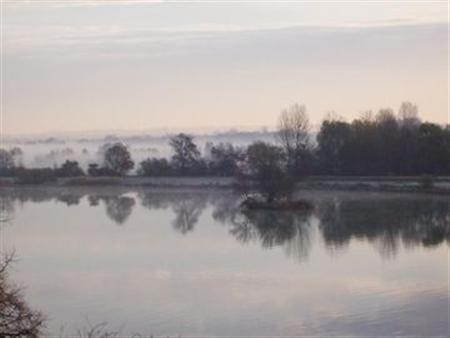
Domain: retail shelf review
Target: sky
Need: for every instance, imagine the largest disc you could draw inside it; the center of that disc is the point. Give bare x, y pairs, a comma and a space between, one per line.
92, 65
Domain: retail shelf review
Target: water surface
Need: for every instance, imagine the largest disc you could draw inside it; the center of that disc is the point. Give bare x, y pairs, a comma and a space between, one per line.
185, 262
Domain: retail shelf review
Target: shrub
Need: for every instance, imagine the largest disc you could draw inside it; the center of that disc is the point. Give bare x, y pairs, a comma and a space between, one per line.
155, 167
35, 176
224, 159
95, 170
69, 169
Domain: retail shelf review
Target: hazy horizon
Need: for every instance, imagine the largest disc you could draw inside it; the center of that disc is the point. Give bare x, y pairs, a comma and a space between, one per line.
102, 66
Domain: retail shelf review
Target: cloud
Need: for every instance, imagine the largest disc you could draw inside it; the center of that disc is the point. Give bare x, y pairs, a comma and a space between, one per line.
89, 79
77, 3
27, 37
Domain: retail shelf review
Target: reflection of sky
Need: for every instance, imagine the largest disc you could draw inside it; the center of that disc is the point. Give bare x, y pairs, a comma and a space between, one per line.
75, 262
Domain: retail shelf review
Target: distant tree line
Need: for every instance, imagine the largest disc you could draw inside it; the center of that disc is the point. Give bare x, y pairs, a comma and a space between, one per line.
115, 161
381, 144
385, 143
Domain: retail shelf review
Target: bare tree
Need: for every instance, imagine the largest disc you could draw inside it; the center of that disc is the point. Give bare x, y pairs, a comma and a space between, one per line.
366, 117
333, 116
408, 114
293, 127
16, 317
293, 134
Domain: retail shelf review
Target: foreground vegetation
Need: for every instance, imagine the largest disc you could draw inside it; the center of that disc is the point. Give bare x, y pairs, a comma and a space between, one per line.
17, 319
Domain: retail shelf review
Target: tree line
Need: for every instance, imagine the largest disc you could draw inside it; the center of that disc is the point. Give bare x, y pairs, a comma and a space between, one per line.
382, 143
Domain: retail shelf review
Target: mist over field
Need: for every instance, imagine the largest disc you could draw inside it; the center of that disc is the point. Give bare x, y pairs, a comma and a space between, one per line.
53, 150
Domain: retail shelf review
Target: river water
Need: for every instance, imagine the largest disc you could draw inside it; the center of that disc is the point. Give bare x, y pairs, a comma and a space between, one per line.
191, 263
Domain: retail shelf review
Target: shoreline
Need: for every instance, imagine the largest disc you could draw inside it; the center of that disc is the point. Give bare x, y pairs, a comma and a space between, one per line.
394, 184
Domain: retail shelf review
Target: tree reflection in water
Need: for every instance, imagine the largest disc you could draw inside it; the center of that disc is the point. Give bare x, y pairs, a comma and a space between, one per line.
289, 229
186, 206
6, 209
155, 200
118, 208
386, 221
187, 213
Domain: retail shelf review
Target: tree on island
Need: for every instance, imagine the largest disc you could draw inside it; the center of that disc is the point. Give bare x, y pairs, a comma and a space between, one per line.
267, 168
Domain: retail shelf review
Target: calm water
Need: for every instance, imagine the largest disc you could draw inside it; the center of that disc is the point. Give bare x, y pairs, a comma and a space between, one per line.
190, 263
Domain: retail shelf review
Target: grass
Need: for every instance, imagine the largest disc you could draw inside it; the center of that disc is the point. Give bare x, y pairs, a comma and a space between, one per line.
93, 181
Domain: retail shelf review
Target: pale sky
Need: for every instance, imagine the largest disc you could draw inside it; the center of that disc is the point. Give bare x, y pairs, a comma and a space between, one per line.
115, 64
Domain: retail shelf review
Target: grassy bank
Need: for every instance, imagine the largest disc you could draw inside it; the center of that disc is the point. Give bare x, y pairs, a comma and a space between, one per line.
440, 185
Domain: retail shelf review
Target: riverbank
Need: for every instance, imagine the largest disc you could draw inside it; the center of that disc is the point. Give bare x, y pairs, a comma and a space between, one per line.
412, 184
408, 184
